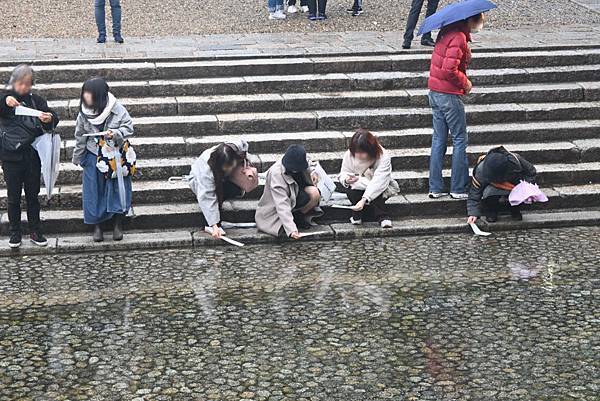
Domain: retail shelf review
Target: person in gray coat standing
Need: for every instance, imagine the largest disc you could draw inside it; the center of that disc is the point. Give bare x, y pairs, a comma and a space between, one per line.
290, 196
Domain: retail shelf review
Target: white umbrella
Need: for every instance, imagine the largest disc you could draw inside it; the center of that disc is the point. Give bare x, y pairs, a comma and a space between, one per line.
120, 179
48, 147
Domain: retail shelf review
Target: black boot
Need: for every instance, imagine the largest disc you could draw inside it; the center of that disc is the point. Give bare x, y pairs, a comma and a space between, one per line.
98, 234
427, 42
301, 222
491, 216
117, 229
406, 45
515, 213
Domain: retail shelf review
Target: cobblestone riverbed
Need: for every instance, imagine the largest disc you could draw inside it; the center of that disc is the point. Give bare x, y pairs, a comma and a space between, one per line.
513, 317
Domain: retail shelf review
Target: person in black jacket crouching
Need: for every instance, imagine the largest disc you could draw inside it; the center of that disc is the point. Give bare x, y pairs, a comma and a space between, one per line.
494, 176
21, 166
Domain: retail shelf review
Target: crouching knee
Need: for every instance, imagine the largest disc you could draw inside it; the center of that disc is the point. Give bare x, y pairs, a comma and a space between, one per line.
314, 195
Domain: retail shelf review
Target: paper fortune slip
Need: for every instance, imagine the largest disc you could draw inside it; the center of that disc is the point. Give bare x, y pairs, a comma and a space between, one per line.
477, 230
342, 207
302, 235
224, 238
96, 134
26, 111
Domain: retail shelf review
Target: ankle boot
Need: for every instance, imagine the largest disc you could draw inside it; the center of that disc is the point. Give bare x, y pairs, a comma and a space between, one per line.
98, 234
117, 230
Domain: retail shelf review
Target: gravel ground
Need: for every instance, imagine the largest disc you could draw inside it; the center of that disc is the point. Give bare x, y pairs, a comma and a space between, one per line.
74, 18
437, 318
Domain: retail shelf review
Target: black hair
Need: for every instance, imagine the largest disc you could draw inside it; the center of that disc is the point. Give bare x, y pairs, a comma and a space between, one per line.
224, 155
476, 17
99, 90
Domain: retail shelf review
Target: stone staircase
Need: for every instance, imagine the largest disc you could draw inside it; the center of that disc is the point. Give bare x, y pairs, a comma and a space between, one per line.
544, 104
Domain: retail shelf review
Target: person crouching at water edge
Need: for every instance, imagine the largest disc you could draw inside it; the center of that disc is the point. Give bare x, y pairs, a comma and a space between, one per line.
221, 173
20, 161
494, 176
290, 199
367, 176
102, 124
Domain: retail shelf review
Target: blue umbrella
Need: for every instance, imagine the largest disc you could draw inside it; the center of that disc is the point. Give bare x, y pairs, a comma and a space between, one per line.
455, 12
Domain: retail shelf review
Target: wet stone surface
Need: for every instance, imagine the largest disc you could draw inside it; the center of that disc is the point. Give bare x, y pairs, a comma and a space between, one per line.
514, 317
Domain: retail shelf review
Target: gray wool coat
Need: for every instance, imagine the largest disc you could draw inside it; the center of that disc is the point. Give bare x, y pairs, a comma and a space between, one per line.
119, 122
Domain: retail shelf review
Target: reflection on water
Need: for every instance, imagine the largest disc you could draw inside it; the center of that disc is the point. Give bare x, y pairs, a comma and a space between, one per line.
424, 318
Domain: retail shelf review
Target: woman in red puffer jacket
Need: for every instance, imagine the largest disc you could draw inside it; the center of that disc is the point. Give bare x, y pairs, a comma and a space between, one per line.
447, 83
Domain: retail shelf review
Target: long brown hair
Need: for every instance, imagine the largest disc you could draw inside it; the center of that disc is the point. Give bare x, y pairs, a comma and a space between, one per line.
224, 155
364, 141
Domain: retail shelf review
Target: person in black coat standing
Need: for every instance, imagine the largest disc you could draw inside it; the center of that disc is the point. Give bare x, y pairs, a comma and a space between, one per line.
21, 166
413, 18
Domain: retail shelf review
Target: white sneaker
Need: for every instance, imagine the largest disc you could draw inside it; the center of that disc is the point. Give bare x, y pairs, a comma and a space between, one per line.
292, 10
277, 15
459, 196
436, 195
355, 222
304, 9
386, 224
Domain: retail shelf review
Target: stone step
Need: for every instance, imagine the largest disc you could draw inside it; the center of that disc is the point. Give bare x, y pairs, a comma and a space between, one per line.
160, 191
184, 69
329, 141
330, 82
272, 102
402, 159
347, 119
168, 216
193, 238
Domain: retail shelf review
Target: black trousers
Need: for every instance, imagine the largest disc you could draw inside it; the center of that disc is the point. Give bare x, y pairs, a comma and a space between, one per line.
293, 3
376, 208
413, 17
314, 8
19, 175
492, 205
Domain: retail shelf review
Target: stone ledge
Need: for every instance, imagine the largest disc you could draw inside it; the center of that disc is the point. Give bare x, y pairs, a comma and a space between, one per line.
194, 239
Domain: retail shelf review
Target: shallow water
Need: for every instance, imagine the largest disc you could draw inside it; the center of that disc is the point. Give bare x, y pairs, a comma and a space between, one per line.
423, 318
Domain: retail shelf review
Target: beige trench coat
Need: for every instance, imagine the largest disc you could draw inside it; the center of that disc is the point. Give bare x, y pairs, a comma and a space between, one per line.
277, 202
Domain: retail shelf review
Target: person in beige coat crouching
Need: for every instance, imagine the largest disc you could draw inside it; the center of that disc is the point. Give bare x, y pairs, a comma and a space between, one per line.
290, 197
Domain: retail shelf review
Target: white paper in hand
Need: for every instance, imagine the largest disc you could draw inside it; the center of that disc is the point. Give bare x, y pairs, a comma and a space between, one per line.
26, 111
224, 238
477, 230
302, 235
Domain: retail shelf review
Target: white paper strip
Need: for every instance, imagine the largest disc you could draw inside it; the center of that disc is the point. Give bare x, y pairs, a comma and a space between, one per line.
302, 235
224, 238
26, 111
477, 230
96, 134
342, 207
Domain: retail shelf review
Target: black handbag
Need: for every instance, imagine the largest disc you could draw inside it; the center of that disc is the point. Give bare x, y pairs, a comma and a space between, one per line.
13, 137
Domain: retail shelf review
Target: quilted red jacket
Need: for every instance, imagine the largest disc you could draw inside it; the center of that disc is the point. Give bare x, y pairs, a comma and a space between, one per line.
450, 59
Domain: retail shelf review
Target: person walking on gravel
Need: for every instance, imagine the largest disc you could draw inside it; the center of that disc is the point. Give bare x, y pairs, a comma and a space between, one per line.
448, 82
115, 12
413, 18
276, 9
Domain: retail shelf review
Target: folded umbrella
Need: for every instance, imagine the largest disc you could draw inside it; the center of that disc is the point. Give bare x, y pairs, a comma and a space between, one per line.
455, 12
527, 193
120, 180
48, 148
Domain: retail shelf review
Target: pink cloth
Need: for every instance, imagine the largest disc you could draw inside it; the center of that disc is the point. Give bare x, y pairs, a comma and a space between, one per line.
527, 193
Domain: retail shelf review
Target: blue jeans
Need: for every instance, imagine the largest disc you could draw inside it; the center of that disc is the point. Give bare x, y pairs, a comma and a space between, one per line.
115, 12
448, 116
275, 5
